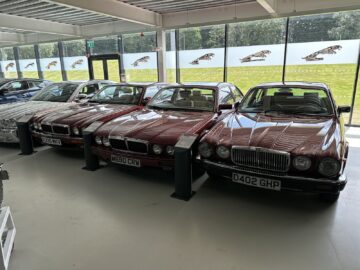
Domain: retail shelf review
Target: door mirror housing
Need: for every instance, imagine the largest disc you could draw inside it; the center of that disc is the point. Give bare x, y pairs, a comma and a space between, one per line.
236, 105
81, 97
225, 107
146, 101
344, 109
4, 91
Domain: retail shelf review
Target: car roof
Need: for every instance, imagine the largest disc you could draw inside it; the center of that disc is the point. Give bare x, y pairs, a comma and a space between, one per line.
293, 84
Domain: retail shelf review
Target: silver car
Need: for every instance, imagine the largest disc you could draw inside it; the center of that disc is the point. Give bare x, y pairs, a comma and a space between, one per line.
53, 96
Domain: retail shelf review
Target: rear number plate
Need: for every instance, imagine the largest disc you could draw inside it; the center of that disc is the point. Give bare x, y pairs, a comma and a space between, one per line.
51, 141
256, 181
126, 161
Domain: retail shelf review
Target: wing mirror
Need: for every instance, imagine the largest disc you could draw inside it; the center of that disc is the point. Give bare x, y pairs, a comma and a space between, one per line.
225, 107
146, 100
344, 109
81, 97
236, 105
4, 91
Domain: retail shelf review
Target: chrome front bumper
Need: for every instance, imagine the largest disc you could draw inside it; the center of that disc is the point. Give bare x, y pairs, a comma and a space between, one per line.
291, 183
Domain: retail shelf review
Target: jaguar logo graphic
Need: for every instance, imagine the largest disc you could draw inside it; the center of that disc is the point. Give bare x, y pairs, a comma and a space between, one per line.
258, 56
206, 57
29, 65
144, 59
328, 50
77, 63
10, 65
51, 64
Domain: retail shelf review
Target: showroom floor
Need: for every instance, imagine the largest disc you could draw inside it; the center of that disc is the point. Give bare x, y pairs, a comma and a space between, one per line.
68, 218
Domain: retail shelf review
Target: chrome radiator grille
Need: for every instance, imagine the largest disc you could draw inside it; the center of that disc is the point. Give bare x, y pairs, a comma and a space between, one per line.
132, 145
261, 158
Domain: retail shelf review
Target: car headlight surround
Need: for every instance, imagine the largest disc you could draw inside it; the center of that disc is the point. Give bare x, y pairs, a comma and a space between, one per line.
302, 163
329, 167
106, 141
76, 131
157, 149
205, 150
223, 152
170, 150
98, 140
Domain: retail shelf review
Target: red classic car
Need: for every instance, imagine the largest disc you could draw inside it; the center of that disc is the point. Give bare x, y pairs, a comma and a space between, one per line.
64, 127
283, 136
147, 137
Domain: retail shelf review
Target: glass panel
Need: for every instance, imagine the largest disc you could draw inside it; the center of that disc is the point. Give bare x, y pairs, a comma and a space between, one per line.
140, 57
50, 61
75, 60
98, 69
256, 52
105, 45
324, 48
170, 56
27, 62
356, 109
202, 53
113, 70
8, 65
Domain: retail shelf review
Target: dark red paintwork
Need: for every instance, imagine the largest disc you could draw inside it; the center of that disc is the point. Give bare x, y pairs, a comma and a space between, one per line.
300, 135
158, 127
81, 116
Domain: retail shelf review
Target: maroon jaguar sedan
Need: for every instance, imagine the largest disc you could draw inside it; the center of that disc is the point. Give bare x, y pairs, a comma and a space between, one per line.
147, 137
63, 127
283, 136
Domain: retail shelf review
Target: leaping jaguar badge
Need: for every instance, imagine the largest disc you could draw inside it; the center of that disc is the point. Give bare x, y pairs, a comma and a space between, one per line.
77, 63
51, 64
206, 57
328, 50
29, 65
10, 65
144, 59
258, 56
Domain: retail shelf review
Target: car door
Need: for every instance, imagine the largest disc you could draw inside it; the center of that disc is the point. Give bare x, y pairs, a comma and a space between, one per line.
16, 90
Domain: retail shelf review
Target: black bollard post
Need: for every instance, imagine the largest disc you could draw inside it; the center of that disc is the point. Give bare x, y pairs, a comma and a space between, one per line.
24, 134
91, 161
183, 168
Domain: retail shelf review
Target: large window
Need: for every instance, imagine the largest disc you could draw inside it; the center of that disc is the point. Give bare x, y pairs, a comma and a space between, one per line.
50, 61
201, 53
75, 60
27, 62
140, 57
324, 48
170, 56
105, 45
256, 52
8, 64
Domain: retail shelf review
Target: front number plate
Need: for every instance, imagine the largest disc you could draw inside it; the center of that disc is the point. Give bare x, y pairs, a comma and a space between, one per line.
126, 161
51, 141
256, 181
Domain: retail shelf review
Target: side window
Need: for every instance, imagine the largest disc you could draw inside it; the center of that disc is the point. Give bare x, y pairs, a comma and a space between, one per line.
236, 93
90, 89
150, 92
19, 85
225, 96
39, 84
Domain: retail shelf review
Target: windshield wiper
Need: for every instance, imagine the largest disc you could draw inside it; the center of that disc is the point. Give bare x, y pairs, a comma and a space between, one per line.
157, 107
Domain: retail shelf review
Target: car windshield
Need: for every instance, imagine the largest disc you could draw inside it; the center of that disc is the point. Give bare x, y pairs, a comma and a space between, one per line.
290, 100
120, 94
3, 82
56, 92
183, 98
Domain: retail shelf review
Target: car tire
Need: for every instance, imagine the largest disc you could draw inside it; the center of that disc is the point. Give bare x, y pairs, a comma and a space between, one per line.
329, 197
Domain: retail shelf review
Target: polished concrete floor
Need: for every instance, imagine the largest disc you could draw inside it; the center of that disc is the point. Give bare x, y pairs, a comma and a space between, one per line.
68, 218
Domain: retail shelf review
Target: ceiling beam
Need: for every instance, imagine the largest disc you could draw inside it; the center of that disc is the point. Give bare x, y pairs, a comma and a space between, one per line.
268, 5
40, 26
116, 9
11, 38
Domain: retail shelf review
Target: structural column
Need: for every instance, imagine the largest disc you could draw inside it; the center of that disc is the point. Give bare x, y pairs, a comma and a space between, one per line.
161, 54
16, 56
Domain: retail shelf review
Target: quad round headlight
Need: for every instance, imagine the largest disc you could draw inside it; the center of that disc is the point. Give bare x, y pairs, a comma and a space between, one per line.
302, 163
76, 131
98, 140
205, 150
170, 150
329, 167
106, 141
223, 152
157, 149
